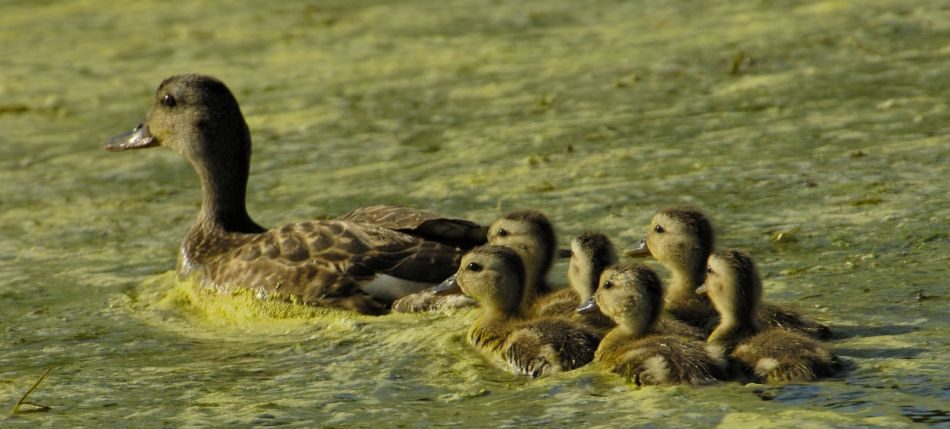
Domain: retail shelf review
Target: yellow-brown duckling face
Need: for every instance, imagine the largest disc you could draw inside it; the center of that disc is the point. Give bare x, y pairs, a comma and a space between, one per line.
678, 236
527, 231
733, 284
631, 294
493, 276
591, 253
195, 115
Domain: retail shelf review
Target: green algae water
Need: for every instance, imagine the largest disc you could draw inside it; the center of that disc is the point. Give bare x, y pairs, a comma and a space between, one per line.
815, 133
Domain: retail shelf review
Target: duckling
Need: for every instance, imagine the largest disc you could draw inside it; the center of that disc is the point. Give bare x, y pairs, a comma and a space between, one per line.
631, 294
531, 235
590, 254
772, 355
496, 277
322, 262
527, 232
682, 239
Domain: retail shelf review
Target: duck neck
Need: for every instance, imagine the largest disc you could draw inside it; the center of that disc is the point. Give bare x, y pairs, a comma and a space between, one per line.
637, 324
537, 264
223, 216
731, 330
685, 279
224, 187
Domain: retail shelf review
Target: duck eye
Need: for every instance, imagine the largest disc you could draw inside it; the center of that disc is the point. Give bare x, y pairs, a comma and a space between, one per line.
709, 269
473, 267
608, 284
659, 229
168, 100
502, 232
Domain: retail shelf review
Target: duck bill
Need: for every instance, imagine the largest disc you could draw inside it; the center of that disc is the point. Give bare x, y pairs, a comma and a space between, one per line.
640, 250
588, 306
448, 287
701, 290
138, 138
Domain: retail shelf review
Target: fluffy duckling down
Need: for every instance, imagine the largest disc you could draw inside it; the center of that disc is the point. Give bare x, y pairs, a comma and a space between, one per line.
682, 239
495, 277
768, 354
527, 232
591, 253
631, 294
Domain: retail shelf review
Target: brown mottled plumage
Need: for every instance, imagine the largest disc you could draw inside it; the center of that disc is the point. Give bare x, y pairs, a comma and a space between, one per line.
316, 262
639, 349
591, 253
431, 226
495, 277
682, 240
772, 355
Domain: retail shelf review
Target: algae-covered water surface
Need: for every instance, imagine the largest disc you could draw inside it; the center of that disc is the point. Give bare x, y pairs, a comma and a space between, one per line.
815, 133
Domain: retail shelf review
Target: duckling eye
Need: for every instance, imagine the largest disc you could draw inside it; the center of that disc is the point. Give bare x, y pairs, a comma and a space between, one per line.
709, 269
659, 229
168, 100
473, 267
608, 284
502, 232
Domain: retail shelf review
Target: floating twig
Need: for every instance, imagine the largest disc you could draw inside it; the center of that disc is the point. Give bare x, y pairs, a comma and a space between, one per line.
22, 401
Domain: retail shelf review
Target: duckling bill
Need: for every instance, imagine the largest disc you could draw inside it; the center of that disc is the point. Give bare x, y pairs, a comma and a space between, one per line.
319, 262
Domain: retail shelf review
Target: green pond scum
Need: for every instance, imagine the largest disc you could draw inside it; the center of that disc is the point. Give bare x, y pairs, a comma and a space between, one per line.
815, 133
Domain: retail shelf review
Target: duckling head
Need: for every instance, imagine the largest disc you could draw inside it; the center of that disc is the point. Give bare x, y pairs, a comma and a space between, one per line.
632, 295
591, 253
531, 234
680, 238
494, 276
733, 286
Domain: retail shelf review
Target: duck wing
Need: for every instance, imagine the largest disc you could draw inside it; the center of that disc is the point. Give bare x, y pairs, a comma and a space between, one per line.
421, 223
326, 262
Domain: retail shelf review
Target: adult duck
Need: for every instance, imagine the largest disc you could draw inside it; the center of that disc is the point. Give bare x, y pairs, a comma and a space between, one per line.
357, 266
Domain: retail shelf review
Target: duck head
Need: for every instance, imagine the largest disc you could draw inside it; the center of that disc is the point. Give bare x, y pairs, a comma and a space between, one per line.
591, 253
494, 276
195, 115
631, 294
734, 287
198, 117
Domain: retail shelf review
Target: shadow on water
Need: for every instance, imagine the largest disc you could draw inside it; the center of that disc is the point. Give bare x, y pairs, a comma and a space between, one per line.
934, 418
880, 352
850, 401
842, 332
